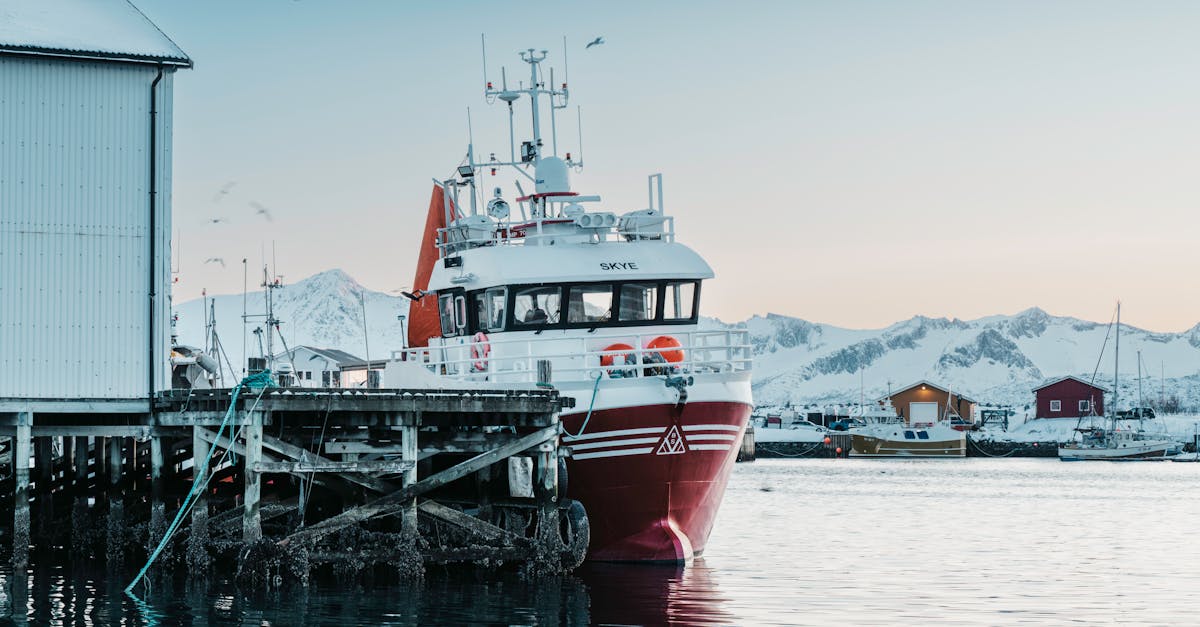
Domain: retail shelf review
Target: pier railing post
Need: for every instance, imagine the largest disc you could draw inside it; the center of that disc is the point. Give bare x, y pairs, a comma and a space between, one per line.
22, 446
198, 540
251, 515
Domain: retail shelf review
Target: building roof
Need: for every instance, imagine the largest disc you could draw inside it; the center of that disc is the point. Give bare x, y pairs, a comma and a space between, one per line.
341, 358
1070, 376
960, 395
91, 29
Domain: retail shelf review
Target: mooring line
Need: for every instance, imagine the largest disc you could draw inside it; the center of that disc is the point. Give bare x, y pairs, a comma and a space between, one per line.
591, 406
261, 379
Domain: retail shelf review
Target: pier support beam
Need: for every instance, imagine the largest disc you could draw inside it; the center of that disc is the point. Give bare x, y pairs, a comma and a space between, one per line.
116, 505
409, 453
252, 516
158, 507
197, 556
22, 445
43, 456
80, 542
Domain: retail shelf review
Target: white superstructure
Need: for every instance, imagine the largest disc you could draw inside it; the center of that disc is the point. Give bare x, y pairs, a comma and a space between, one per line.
85, 200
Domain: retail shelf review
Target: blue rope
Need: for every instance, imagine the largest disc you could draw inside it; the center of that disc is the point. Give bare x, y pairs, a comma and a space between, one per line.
256, 381
592, 405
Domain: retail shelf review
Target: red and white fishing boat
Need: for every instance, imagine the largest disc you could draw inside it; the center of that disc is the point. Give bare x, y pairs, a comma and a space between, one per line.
612, 300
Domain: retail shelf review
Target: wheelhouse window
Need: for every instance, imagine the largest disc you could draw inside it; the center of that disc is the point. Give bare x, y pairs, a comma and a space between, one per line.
639, 301
589, 303
489, 309
446, 315
679, 302
537, 306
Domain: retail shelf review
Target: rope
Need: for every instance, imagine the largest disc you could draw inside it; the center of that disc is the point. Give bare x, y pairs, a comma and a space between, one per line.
260, 380
591, 406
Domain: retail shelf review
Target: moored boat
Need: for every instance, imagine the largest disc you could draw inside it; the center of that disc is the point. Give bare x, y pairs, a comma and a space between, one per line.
886, 434
611, 302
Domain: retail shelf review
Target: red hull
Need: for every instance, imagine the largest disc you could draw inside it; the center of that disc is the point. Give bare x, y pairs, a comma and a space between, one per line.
652, 477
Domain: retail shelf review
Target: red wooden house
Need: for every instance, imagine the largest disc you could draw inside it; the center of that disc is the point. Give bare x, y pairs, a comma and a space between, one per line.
1069, 397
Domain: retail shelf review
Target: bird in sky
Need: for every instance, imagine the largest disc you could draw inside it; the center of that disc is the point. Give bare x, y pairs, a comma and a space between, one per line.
262, 211
215, 260
595, 42
224, 191
216, 220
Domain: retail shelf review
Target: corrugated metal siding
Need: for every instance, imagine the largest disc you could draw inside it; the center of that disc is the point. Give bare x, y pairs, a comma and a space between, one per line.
74, 195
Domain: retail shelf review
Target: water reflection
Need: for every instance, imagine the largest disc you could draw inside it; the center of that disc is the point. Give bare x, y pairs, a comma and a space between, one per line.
622, 594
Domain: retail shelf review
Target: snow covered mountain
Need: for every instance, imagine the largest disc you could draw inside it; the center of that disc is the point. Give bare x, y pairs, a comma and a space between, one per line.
996, 359
323, 310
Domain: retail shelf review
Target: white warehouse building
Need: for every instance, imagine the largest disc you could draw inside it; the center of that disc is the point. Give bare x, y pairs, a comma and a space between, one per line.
85, 202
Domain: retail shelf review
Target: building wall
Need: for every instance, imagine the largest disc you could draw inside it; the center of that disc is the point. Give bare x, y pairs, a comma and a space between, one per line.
74, 228
1069, 392
929, 394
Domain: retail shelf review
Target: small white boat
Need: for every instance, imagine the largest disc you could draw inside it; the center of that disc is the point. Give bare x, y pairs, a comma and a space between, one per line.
885, 434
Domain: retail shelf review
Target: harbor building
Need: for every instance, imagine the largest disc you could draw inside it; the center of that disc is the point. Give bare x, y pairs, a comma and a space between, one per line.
1068, 397
926, 402
309, 366
85, 205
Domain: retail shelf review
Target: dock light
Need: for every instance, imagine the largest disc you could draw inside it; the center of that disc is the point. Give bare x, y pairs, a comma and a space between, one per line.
493, 171
489, 85
466, 171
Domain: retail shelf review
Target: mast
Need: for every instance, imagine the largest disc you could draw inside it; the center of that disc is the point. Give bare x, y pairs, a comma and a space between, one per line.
1116, 372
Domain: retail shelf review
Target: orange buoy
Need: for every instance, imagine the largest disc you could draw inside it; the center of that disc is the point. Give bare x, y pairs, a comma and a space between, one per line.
827, 440
839, 450
662, 342
607, 359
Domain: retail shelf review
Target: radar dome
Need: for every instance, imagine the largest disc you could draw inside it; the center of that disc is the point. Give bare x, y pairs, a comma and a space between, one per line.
552, 176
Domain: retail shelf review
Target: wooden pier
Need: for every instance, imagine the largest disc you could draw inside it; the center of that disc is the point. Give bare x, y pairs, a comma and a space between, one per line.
296, 480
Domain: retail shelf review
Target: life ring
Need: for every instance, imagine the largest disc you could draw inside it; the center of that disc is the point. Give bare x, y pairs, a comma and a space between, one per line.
480, 349
611, 353
667, 346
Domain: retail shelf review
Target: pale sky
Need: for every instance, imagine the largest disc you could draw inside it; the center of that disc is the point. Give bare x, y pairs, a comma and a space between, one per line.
854, 163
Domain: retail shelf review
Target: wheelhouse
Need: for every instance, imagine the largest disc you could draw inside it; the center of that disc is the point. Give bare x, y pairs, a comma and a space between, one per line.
574, 305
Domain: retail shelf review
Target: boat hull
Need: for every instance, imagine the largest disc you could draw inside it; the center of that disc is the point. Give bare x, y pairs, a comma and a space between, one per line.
1147, 450
890, 442
652, 476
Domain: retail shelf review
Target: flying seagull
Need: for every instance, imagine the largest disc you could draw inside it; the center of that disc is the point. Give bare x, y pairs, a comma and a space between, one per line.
216, 220
215, 260
262, 211
595, 42
224, 191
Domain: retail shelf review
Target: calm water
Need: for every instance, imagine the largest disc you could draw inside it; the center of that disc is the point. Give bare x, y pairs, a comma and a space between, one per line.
976, 542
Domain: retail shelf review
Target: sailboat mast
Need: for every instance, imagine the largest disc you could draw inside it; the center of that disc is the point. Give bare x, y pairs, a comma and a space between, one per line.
1116, 370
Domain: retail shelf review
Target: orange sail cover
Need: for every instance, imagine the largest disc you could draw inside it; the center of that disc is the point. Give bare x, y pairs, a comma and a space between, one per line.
423, 322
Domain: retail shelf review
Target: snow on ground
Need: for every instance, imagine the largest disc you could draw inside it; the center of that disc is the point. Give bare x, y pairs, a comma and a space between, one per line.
1179, 427
762, 434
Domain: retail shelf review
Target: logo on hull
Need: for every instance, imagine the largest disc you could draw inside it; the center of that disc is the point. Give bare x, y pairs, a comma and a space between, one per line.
672, 443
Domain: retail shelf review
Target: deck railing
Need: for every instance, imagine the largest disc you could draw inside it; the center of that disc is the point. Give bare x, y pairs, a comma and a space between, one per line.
579, 358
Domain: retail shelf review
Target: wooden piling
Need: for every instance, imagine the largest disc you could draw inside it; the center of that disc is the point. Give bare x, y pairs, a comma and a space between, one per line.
197, 556
251, 515
116, 531
22, 445
158, 506
409, 453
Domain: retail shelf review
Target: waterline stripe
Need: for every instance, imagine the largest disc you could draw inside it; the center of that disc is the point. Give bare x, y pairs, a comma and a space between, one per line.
618, 432
711, 436
620, 453
711, 428
709, 447
612, 443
